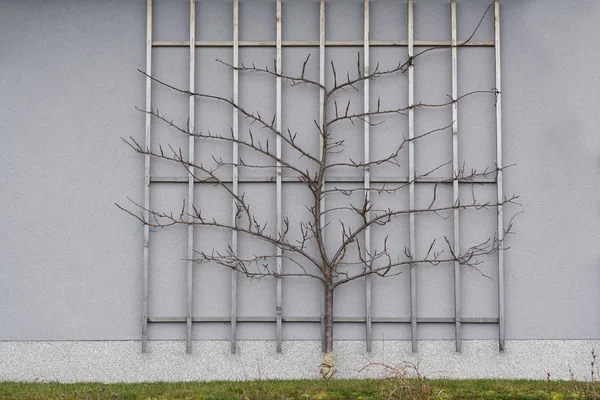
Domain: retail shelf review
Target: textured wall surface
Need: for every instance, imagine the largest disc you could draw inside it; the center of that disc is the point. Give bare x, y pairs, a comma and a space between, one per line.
71, 262
117, 361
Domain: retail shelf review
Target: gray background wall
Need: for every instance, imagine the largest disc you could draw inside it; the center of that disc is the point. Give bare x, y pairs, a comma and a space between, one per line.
71, 263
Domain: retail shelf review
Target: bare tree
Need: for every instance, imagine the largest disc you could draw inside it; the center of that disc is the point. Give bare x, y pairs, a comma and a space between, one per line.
306, 245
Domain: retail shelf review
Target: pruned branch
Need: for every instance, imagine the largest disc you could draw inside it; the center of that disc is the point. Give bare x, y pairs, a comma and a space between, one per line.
253, 117
295, 80
257, 230
385, 217
257, 266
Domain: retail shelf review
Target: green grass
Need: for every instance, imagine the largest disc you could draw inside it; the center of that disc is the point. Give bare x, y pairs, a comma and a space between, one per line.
301, 389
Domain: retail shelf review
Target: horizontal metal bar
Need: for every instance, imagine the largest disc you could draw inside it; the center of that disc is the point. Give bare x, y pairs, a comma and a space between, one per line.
331, 43
333, 179
376, 320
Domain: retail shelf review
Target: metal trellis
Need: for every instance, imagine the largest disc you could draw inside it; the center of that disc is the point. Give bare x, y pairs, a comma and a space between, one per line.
366, 180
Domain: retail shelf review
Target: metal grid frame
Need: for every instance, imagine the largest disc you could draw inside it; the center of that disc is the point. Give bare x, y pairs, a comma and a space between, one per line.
322, 44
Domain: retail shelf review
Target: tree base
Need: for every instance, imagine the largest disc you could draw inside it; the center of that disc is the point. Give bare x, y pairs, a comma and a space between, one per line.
328, 366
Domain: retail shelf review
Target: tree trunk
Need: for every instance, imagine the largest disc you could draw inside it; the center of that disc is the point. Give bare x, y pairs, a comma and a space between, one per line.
328, 365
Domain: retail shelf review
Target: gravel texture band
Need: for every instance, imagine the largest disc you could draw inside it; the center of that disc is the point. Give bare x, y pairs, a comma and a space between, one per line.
122, 361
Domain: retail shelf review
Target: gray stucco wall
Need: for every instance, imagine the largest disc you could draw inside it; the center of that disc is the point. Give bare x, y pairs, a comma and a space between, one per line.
70, 265
71, 262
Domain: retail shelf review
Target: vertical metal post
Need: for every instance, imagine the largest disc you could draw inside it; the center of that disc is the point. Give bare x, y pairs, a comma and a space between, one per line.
499, 164
235, 172
367, 178
278, 150
322, 82
191, 145
455, 172
322, 125
411, 178
147, 177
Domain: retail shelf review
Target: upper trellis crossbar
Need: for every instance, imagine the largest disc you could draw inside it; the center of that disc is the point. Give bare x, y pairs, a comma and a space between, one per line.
367, 180
328, 43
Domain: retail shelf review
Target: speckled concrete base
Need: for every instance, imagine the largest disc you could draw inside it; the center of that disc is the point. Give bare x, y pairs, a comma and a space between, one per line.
116, 361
